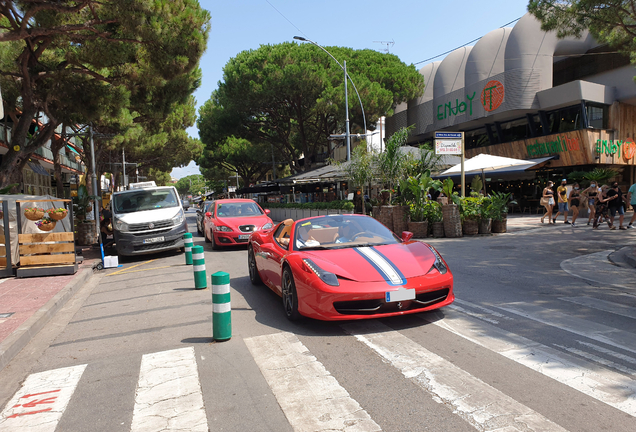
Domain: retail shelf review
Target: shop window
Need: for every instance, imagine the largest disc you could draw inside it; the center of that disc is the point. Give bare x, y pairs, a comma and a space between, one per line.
476, 138
515, 130
596, 115
564, 120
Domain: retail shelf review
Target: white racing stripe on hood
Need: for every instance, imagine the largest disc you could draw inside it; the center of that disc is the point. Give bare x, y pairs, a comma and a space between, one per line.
386, 268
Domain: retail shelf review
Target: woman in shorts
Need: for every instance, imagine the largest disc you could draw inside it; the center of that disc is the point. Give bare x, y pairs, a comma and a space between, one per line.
591, 193
548, 196
574, 201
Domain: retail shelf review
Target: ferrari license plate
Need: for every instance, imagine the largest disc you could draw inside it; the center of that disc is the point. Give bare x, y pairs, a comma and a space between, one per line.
400, 295
244, 236
153, 240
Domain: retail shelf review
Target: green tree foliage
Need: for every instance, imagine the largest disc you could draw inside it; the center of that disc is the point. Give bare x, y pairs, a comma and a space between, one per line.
611, 22
252, 161
191, 185
393, 161
292, 96
107, 62
360, 169
161, 178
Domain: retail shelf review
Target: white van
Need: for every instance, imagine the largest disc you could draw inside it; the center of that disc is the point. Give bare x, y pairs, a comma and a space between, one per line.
147, 219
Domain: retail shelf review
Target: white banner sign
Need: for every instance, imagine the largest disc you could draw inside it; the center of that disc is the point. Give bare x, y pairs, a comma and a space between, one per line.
448, 146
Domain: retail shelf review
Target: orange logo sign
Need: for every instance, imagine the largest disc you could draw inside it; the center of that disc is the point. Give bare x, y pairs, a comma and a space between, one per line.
629, 149
492, 95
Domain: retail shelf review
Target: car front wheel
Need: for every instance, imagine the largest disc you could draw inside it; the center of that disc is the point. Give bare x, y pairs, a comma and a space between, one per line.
255, 278
290, 298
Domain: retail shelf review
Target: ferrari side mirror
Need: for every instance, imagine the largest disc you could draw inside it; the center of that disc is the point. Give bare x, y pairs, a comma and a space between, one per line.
406, 236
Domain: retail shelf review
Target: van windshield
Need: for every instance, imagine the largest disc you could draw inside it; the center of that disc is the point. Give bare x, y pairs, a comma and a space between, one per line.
145, 199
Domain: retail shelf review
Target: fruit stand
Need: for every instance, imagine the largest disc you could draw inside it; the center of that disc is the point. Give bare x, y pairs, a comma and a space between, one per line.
48, 246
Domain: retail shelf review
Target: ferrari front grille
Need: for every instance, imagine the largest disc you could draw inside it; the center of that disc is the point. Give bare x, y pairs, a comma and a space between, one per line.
379, 306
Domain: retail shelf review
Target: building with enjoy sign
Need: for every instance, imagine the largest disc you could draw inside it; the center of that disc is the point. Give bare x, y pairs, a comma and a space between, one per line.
568, 104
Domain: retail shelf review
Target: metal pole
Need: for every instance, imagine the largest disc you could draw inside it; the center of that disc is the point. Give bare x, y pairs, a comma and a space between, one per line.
347, 111
463, 175
273, 164
94, 183
123, 164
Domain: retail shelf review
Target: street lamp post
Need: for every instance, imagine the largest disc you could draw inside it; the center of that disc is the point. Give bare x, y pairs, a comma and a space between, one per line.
346, 75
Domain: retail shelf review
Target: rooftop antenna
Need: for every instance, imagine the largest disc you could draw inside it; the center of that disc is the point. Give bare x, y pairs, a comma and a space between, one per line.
387, 43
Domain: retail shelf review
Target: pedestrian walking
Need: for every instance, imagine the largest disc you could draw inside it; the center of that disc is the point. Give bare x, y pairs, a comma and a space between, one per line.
631, 198
616, 206
547, 201
574, 200
591, 194
562, 193
601, 208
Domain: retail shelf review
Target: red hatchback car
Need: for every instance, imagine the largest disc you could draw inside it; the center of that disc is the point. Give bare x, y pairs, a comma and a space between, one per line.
231, 221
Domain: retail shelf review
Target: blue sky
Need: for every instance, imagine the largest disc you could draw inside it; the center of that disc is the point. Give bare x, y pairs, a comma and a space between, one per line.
420, 30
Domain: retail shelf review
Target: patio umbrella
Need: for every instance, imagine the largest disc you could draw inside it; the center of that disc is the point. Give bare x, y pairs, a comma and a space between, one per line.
485, 163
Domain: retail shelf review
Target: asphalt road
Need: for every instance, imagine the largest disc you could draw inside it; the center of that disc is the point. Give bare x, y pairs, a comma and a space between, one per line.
541, 338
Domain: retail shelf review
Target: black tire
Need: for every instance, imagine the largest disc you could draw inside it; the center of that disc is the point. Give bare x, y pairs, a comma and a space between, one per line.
255, 278
199, 230
207, 240
289, 295
214, 245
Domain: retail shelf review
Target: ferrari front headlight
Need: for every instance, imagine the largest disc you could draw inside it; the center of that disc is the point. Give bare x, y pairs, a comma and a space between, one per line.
325, 276
439, 263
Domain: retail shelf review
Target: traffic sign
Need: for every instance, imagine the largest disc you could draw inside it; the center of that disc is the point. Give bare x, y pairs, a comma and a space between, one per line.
443, 135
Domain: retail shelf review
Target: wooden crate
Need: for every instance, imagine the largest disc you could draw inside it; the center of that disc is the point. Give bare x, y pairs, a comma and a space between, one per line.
46, 254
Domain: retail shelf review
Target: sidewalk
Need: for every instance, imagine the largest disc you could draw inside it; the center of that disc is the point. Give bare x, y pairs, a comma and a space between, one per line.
31, 302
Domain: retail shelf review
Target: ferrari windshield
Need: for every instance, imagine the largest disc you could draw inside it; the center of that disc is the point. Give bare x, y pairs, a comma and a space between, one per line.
340, 231
238, 209
145, 199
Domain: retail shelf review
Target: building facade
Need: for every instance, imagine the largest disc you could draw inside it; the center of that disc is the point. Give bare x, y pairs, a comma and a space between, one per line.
521, 92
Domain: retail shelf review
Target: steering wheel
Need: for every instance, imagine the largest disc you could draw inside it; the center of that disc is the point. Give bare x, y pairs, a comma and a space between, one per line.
360, 234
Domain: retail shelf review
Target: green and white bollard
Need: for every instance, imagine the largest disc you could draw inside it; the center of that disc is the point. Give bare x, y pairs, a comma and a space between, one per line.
221, 308
187, 242
198, 261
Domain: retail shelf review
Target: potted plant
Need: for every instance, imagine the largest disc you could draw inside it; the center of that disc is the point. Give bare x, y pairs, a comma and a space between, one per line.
433, 214
34, 213
450, 211
485, 216
499, 203
470, 213
416, 195
46, 224
57, 214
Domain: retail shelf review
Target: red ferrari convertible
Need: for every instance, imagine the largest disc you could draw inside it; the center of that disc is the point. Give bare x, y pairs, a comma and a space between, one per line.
343, 267
231, 221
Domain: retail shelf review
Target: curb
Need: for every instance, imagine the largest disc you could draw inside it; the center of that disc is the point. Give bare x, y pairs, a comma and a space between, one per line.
17, 340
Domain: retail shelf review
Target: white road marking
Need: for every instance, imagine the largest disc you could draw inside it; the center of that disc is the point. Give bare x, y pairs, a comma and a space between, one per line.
597, 359
169, 395
481, 405
311, 398
589, 378
609, 352
598, 332
615, 308
40, 403
473, 314
485, 309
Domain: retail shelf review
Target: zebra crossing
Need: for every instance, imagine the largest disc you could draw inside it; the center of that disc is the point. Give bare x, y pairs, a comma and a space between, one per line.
597, 361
